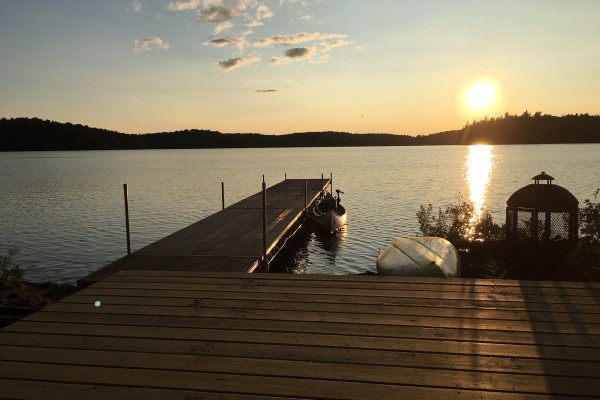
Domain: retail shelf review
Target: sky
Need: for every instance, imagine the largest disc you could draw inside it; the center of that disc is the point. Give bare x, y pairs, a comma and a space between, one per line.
285, 66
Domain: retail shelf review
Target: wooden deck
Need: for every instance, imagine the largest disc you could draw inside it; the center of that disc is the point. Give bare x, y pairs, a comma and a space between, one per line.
198, 335
229, 240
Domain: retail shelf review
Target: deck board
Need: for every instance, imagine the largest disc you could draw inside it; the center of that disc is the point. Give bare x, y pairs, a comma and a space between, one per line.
229, 240
195, 335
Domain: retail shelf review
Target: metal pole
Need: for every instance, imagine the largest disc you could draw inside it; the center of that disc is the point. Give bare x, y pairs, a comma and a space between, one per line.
223, 195
305, 195
322, 188
263, 179
331, 181
264, 243
125, 194
285, 176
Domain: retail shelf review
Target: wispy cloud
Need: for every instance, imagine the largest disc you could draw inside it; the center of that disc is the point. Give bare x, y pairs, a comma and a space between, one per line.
142, 45
307, 17
135, 6
216, 11
263, 12
296, 38
234, 63
184, 5
266, 91
226, 41
223, 26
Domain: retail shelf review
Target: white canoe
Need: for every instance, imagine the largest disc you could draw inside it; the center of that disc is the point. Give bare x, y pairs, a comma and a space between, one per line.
329, 220
419, 256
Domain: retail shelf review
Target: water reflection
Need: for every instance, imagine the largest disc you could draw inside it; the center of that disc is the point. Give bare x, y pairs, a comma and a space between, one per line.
479, 166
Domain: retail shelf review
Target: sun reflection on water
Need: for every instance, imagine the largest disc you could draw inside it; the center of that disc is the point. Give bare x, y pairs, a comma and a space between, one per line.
479, 167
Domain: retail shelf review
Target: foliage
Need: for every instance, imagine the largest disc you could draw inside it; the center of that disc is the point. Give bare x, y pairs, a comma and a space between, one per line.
9, 271
584, 261
459, 223
490, 268
589, 218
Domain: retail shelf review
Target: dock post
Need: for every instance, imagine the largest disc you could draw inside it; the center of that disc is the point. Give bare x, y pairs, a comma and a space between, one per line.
331, 182
285, 176
264, 241
322, 188
126, 196
305, 195
223, 195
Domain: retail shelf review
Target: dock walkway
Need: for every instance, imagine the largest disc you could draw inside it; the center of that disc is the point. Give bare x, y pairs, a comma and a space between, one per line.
229, 240
197, 335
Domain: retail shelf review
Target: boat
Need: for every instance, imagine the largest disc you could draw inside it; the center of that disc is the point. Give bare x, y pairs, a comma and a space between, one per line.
328, 214
424, 256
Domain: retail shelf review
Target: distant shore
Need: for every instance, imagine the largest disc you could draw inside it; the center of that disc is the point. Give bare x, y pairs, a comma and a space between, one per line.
34, 134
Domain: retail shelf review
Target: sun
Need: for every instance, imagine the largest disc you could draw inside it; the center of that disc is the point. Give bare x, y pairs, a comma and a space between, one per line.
480, 95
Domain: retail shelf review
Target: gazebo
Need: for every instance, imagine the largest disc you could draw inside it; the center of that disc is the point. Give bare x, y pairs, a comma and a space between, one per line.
542, 213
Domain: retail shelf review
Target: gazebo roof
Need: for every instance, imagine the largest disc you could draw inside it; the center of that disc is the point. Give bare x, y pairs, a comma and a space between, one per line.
544, 198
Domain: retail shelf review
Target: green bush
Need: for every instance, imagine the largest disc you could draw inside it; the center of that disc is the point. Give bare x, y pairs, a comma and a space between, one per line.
458, 223
589, 218
9, 271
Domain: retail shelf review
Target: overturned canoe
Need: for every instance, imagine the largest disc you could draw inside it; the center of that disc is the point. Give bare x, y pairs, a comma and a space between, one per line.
419, 256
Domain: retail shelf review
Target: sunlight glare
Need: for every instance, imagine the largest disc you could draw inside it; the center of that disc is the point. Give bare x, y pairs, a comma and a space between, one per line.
480, 95
479, 167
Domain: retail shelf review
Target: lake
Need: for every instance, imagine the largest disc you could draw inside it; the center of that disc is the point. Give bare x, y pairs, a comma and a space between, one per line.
64, 210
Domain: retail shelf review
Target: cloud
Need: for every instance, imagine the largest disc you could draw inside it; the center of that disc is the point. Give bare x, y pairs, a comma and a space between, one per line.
223, 26
226, 41
263, 12
266, 91
184, 5
136, 6
234, 63
307, 17
336, 43
253, 24
142, 45
215, 12
296, 38
295, 54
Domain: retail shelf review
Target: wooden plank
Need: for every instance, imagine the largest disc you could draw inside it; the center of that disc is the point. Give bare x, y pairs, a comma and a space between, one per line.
399, 310
244, 384
364, 331
299, 339
322, 371
302, 289
348, 299
294, 352
11, 389
368, 278
574, 327
381, 285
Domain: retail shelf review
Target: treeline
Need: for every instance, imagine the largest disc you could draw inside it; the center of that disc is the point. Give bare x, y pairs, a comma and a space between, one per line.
24, 134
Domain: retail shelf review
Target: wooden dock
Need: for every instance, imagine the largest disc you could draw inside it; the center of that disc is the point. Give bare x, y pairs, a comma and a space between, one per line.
196, 335
229, 240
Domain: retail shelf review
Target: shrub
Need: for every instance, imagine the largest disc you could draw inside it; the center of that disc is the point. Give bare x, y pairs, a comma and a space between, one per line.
589, 218
459, 223
9, 271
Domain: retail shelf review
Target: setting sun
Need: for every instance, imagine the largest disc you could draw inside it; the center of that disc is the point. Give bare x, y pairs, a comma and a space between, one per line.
480, 96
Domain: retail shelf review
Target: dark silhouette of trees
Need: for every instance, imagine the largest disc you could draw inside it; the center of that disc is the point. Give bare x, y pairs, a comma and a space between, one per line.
20, 134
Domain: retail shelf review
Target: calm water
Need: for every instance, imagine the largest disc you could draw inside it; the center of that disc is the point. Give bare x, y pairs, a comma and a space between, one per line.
64, 210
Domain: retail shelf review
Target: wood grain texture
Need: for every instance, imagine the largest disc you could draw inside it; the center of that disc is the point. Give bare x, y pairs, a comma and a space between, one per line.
205, 335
